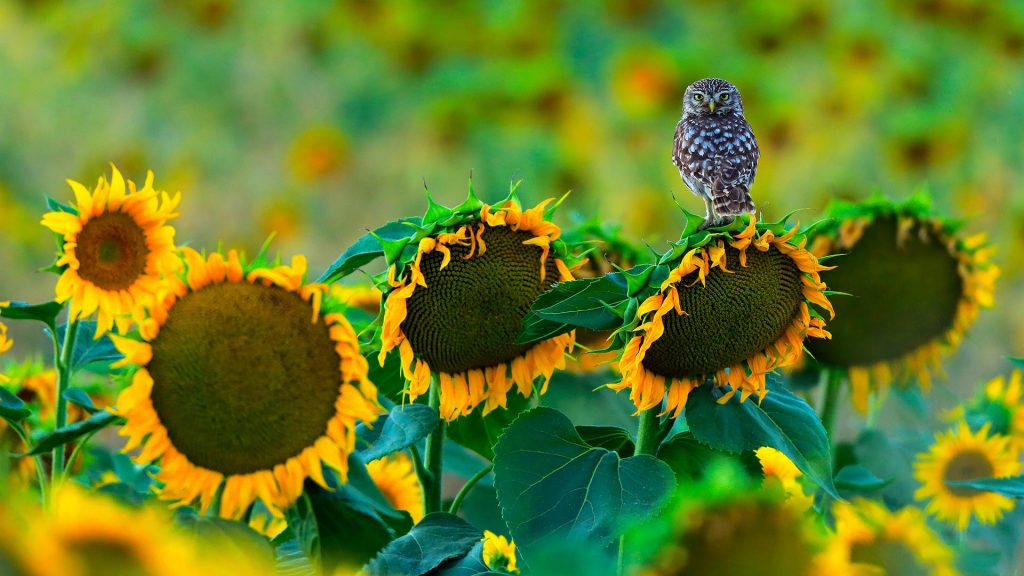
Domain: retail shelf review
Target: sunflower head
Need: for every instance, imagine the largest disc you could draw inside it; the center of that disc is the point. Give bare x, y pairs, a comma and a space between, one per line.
247, 380
869, 539
999, 405
116, 247
729, 304
908, 270
396, 479
458, 288
499, 554
962, 455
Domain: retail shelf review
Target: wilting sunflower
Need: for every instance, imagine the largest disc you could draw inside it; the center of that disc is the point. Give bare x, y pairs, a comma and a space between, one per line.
908, 271
780, 471
456, 300
733, 305
499, 554
726, 525
870, 540
1000, 406
960, 455
396, 479
247, 379
117, 246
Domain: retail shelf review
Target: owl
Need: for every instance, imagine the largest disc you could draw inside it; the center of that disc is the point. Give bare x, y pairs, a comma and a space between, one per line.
715, 150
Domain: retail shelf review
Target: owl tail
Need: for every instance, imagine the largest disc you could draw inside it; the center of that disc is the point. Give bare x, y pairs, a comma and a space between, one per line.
735, 200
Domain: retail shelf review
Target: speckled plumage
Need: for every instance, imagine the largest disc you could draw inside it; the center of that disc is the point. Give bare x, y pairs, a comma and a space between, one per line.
715, 149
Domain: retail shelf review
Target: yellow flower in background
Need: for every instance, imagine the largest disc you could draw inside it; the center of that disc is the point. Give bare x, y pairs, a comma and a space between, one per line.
457, 309
499, 554
1000, 405
360, 296
245, 381
396, 479
779, 470
317, 153
959, 455
117, 246
734, 309
909, 271
870, 540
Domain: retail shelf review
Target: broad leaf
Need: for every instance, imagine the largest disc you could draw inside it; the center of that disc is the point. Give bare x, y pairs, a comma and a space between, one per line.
366, 249
578, 303
608, 437
480, 433
690, 459
437, 538
1012, 487
782, 421
12, 408
73, 432
45, 313
552, 484
856, 478
397, 430
89, 350
80, 398
472, 564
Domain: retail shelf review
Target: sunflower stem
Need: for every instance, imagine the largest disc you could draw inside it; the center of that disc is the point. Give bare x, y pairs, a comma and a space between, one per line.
433, 454
831, 402
464, 491
63, 381
647, 437
40, 466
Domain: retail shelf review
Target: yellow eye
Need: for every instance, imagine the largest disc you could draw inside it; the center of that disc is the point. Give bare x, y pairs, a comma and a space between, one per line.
725, 97
698, 97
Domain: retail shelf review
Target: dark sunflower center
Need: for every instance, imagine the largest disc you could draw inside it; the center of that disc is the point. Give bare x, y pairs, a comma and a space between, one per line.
242, 379
470, 313
902, 297
112, 251
772, 543
893, 556
104, 557
969, 465
737, 315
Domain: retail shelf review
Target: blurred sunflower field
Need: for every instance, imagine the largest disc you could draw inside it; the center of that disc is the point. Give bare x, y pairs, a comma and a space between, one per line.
410, 288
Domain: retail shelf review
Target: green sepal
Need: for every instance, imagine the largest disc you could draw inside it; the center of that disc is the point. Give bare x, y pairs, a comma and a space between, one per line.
471, 205
57, 206
368, 248
436, 212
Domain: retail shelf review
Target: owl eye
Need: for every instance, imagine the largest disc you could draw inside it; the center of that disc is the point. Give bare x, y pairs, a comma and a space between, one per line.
725, 97
698, 97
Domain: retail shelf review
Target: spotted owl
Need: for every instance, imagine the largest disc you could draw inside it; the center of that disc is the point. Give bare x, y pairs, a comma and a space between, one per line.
715, 149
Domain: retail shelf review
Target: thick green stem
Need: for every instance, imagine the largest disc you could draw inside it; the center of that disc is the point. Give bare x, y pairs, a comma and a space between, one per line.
831, 402
647, 433
434, 454
63, 381
464, 491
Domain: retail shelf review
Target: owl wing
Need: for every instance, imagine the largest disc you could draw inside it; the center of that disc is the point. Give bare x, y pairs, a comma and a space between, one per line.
720, 155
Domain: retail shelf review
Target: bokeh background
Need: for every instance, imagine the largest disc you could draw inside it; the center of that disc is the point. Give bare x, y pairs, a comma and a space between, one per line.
317, 120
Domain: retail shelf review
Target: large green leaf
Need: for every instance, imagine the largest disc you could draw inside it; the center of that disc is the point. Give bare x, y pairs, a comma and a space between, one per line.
437, 538
690, 459
89, 351
472, 564
585, 303
12, 408
73, 432
1011, 487
858, 479
480, 433
608, 437
781, 420
552, 484
367, 249
397, 430
45, 313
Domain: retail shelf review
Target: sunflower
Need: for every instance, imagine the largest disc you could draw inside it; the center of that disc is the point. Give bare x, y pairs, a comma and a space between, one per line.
960, 455
116, 248
999, 404
780, 471
247, 379
456, 308
735, 307
499, 554
870, 540
909, 271
396, 479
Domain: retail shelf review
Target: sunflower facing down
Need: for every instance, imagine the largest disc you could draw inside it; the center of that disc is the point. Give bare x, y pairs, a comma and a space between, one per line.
960, 455
117, 245
913, 273
248, 379
455, 308
734, 308
870, 541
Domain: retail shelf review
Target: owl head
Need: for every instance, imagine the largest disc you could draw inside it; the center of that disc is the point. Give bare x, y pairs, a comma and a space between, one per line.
712, 96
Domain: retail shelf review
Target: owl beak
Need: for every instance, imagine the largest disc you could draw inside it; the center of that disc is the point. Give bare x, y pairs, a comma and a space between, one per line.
711, 106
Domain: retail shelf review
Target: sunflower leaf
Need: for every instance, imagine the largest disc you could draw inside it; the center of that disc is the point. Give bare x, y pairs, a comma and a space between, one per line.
12, 408
367, 249
551, 484
689, 458
1012, 487
45, 313
72, 432
856, 478
397, 430
472, 564
479, 433
58, 206
98, 353
781, 420
576, 304
1018, 362
438, 538
80, 398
